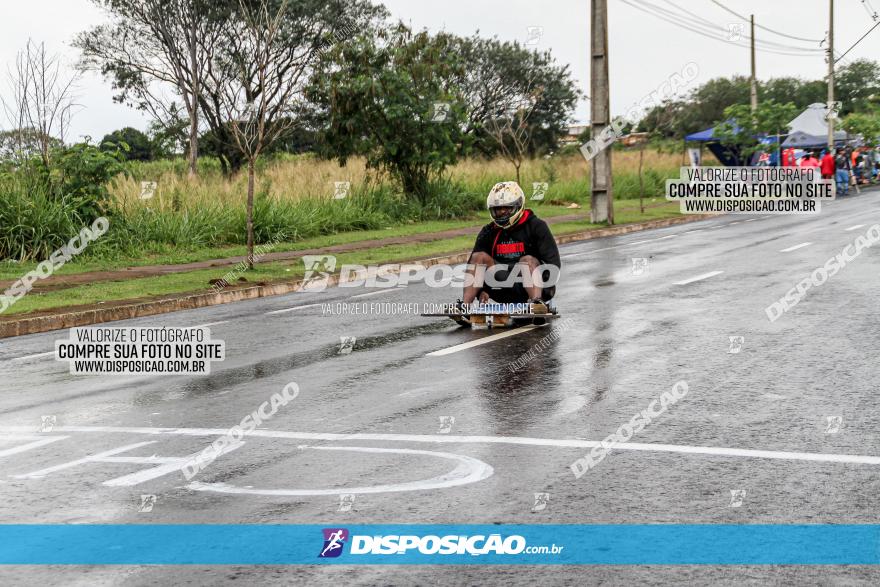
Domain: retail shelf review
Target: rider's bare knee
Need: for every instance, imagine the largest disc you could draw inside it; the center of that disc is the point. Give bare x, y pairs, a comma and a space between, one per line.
481, 258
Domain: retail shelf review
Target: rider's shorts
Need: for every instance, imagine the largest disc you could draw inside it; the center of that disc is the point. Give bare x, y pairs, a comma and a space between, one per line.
515, 294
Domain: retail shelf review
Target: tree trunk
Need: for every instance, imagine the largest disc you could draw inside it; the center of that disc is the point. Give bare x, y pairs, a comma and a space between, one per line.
517, 173
225, 168
641, 179
194, 111
250, 213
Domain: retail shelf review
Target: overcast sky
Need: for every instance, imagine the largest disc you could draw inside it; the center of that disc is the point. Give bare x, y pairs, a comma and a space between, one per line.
644, 49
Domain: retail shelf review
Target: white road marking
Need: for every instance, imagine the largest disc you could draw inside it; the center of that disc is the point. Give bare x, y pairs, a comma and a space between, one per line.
750, 220
38, 442
469, 470
375, 293
795, 247
292, 309
699, 277
165, 466
89, 459
210, 324
29, 357
590, 252
856, 227
572, 404
767, 216
774, 396
451, 439
484, 340
628, 244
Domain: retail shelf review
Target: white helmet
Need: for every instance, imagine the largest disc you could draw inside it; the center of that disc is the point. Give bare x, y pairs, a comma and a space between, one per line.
506, 202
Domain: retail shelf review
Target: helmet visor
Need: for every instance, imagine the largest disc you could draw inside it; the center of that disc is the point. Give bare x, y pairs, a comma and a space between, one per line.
502, 214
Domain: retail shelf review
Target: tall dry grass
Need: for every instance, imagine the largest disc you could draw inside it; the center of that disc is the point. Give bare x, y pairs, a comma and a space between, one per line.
291, 178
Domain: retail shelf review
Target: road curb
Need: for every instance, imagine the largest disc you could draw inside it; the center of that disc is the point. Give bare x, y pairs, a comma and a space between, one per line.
13, 326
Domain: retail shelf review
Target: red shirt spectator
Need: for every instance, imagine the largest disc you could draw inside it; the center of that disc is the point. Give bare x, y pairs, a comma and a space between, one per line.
788, 158
809, 161
827, 167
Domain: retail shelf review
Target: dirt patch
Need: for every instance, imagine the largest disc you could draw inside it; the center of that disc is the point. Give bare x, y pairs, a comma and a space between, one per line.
57, 282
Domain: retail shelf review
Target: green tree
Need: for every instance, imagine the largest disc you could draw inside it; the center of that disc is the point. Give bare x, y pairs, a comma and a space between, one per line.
864, 124
742, 128
854, 83
174, 59
392, 98
23, 144
498, 78
135, 145
158, 54
791, 89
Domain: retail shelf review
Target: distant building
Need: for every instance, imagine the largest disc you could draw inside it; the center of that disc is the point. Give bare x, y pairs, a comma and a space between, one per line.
633, 138
573, 132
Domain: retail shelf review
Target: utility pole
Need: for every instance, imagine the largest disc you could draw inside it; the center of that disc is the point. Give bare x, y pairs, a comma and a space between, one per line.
601, 199
754, 84
830, 75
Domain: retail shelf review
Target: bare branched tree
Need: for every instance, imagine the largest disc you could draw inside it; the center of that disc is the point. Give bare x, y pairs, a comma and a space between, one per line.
41, 102
158, 51
511, 128
272, 52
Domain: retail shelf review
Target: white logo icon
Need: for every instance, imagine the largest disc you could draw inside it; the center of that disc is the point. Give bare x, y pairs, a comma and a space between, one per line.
542, 500
47, 423
346, 344
539, 190
534, 34
446, 424
147, 503
148, 189
346, 502
736, 344
440, 112
833, 113
735, 31
833, 424
341, 189
737, 497
639, 265
318, 271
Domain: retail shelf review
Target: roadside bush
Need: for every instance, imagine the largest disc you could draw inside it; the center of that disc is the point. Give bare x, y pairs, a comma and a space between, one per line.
41, 207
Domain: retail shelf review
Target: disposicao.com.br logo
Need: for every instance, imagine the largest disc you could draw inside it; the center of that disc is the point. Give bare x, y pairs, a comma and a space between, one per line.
412, 544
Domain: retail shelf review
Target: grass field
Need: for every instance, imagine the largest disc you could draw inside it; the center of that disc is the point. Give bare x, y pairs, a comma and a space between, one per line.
303, 177
188, 220
198, 281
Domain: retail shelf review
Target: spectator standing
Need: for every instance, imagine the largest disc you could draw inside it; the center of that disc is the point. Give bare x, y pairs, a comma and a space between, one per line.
843, 168
809, 160
827, 166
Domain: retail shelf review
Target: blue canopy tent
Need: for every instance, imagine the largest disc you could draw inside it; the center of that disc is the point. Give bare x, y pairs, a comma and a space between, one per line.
727, 155
731, 155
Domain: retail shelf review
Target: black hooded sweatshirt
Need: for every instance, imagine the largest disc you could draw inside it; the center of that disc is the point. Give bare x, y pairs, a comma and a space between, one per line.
529, 236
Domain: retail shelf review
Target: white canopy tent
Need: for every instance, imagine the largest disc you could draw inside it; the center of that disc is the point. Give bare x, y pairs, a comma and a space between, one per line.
810, 128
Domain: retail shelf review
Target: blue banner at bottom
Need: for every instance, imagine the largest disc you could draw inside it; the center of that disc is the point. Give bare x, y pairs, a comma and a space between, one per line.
612, 544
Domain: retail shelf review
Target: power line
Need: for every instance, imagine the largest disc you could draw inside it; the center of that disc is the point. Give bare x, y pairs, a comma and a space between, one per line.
714, 27
871, 12
763, 27
857, 42
714, 36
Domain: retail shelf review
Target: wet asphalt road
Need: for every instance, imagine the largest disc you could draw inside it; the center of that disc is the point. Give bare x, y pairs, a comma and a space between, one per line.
803, 384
